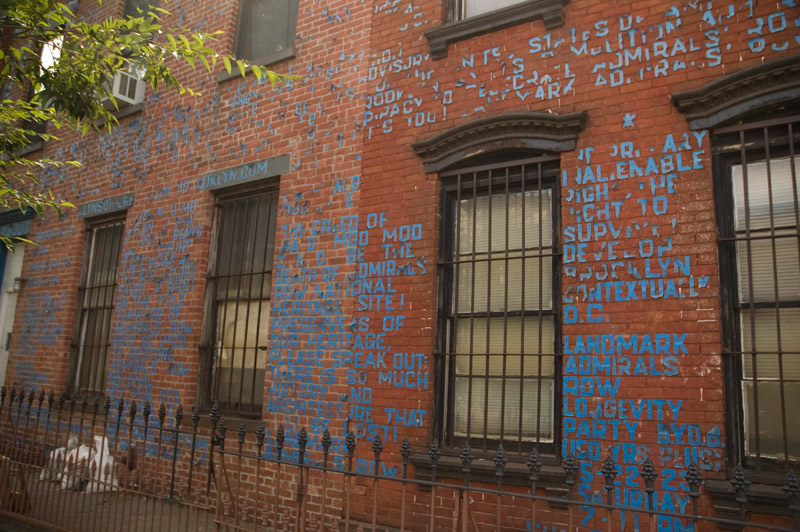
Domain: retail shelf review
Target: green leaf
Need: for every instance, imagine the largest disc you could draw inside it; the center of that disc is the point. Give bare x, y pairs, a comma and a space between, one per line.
227, 62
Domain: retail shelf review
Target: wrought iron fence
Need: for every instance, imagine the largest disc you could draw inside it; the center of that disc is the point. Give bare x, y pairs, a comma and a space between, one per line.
78, 466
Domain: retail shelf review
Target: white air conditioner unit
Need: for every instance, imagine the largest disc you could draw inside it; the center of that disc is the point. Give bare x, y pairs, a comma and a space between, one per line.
127, 90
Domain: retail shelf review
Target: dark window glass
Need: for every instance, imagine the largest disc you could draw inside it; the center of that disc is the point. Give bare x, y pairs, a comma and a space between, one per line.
759, 176
132, 7
96, 297
498, 321
241, 286
266, 28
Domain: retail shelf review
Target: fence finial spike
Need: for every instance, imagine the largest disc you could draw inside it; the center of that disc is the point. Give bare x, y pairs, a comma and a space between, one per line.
740, 483
791, 487
694, 479
405, 450
466, 454
649, 474
434, 452
214, 415
261, 433
280, 436
500, 461
242, 431
534, 464
570, 467
223, 428
377, 447
326, 441
609, 471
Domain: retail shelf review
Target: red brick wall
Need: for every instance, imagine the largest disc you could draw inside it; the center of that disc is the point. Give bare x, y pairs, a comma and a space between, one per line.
370, 89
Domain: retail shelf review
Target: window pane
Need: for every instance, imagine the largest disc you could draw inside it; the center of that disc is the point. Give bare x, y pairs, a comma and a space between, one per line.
766, 343
243, 327
769, 431
474, 222
760, 188
504, 289
760, 268
512, 337
533, 412
265, 27
476, 7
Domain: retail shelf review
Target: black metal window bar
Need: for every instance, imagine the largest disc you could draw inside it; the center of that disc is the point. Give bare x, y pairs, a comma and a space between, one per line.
241, 284
153, 469
498, 326
758, 168
96, 297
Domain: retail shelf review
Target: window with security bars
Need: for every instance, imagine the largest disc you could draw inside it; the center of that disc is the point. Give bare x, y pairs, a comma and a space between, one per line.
240, 287
498, 325
96, 300
758, 173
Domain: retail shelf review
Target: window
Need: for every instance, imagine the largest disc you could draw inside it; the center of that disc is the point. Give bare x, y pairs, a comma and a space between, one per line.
137, 8
758, 181
48, 61
470, 8
469, 18
96, 300
240, 286
266, 30
498, 284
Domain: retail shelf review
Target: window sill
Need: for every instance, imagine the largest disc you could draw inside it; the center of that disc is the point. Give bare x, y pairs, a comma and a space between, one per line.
30, 148
286, 53
761, 498
551, 477
551, 11
122, 113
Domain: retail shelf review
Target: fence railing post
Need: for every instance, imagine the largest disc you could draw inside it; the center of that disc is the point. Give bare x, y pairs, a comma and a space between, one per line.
500, 462
434, 453
791, 487
350, 444
466, 462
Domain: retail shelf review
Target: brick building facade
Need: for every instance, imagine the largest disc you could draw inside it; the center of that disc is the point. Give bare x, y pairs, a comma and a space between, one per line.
569, 226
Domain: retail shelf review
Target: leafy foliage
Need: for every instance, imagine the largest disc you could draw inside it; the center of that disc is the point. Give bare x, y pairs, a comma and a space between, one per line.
56, 69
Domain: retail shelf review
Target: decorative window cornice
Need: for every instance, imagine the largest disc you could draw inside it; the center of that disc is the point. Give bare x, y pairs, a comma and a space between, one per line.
550, 11
760, 87
545, 132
